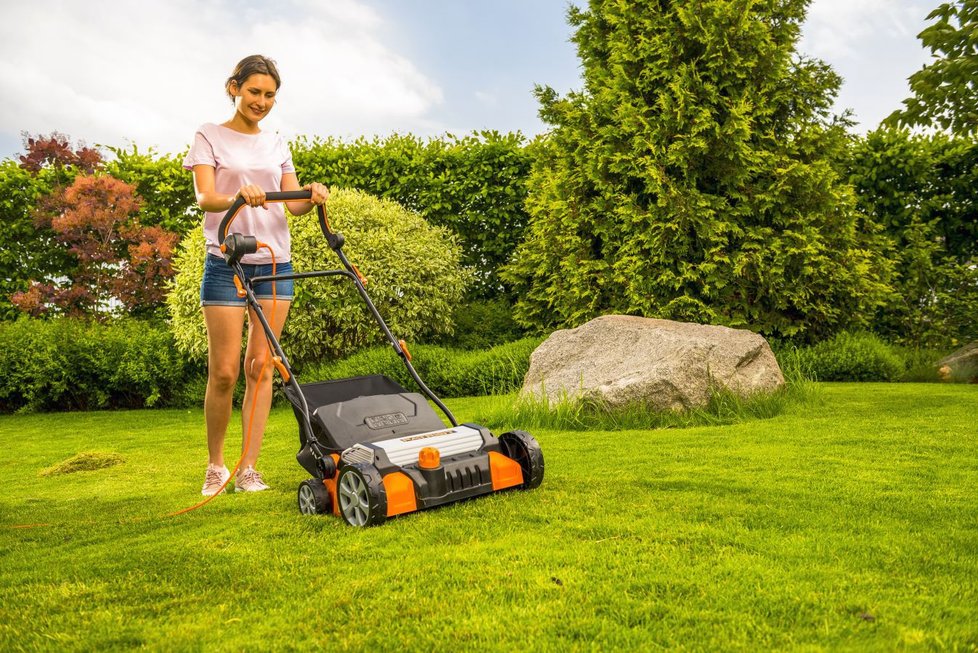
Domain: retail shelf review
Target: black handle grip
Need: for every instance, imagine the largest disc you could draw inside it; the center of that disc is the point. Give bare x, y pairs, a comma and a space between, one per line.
278, 196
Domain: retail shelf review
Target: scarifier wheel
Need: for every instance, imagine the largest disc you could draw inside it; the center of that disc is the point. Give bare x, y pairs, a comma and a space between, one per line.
524, 449
360, 492
313, 497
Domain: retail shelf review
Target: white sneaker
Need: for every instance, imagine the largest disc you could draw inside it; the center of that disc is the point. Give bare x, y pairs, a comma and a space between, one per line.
249, 480
213, 480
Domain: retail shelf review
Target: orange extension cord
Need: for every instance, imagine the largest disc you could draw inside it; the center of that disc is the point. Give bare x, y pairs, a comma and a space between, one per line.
251, 415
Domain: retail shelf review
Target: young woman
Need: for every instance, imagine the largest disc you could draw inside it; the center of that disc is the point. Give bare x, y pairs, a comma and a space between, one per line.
231, 160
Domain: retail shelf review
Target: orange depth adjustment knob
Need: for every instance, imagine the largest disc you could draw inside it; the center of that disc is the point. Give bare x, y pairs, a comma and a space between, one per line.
429, 458
404, 348
280, 366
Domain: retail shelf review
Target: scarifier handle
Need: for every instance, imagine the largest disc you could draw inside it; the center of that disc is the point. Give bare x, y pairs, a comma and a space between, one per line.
335, 240
279, 196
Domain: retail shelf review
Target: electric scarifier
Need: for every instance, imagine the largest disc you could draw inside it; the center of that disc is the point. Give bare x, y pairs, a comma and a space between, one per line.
374, 449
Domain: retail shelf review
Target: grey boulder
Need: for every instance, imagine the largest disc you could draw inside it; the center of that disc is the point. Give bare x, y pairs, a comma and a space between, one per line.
622, 359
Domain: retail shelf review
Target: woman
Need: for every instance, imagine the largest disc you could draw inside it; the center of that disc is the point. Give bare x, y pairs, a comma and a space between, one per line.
231, 160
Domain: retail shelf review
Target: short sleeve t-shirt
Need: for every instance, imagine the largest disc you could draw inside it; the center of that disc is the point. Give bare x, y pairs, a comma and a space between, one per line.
239, 159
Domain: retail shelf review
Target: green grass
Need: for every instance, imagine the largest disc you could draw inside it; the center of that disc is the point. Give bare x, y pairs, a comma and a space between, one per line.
724, 407
850, 523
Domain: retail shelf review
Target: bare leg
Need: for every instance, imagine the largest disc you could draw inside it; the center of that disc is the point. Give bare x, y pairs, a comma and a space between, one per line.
259, 389
224, 326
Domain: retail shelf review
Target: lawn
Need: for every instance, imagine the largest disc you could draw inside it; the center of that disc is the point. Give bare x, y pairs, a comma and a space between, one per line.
848, 523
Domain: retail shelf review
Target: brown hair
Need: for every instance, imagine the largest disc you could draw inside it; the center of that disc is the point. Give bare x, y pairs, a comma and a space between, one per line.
256, 64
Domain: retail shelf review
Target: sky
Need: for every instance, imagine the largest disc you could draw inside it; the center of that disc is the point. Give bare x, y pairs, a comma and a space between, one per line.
118, 72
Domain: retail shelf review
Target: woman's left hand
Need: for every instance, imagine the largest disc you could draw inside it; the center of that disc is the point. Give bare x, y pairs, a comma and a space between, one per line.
319, 193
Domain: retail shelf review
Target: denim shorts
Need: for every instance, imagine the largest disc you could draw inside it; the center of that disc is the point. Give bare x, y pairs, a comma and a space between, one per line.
218, 289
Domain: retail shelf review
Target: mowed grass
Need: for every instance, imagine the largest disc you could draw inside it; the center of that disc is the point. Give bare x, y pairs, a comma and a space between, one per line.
847, 523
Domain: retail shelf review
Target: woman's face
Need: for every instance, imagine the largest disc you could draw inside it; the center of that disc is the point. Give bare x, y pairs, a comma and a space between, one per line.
254, 99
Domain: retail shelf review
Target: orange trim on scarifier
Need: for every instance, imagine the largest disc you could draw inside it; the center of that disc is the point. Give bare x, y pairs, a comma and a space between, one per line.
400, 494
505, 471
237, 284
404, 349
330, 484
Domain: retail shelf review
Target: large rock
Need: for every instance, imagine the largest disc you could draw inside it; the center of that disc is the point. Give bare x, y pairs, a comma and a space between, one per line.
622, 359
961, 365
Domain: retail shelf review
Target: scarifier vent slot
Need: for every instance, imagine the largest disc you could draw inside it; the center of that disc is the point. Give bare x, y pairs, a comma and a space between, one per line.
358, 454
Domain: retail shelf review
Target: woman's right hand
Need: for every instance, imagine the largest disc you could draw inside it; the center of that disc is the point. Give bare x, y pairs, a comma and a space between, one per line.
252, 195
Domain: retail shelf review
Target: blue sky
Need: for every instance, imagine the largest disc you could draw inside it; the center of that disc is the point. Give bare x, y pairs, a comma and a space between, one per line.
487, 55
112, 72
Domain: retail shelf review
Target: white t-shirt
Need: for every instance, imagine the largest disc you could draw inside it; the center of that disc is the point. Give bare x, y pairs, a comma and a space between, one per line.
239, 159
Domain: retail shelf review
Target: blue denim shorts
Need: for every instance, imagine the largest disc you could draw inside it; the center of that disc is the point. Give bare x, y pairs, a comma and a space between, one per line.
218, 289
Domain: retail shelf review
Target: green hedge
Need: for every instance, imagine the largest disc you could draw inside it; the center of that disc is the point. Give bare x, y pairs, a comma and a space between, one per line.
448, 372
482, 324
69, 364
474, 185
847, 357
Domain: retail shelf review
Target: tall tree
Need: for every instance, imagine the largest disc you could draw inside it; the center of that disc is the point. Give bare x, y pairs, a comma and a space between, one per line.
695, 177
923, 191
79, 245
29, 186
118, 263
945, 91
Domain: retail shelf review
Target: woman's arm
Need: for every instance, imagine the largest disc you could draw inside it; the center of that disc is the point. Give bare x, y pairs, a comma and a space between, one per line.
319, 194
212, 201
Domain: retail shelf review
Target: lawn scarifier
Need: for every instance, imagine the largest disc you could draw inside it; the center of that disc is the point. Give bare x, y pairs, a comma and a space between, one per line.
375, 450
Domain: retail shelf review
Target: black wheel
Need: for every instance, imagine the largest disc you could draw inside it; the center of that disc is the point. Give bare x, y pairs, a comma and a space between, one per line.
361, 495
314, 498
524, 449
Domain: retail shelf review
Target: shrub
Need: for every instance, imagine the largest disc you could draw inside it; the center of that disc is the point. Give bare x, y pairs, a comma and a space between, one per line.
483, 323
448, 372
921, 364
69, 364
847, 357
414, 274
80, 243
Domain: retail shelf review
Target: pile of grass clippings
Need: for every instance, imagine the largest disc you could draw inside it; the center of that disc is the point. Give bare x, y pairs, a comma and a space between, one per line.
85, 461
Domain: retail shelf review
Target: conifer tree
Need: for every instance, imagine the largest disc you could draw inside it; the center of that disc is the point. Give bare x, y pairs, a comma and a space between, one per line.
695, 177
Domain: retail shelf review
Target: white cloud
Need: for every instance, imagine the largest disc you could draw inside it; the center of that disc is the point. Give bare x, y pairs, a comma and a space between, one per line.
873, 45
835, 29
487, 98
111, 71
